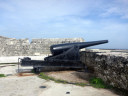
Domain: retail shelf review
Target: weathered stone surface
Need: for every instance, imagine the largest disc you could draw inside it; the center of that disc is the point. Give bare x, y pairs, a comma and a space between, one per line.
112, 69
37, 47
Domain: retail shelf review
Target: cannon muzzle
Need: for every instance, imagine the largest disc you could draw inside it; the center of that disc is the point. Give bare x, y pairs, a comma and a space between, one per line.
60, 48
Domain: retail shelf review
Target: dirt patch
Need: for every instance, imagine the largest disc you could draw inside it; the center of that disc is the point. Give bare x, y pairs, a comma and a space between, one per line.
70, 76
26, 74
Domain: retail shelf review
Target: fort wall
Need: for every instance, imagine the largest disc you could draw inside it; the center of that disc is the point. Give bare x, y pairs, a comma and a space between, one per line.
112, 68
37, 47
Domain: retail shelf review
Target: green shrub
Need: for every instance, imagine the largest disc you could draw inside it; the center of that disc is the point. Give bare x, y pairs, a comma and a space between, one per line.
98, 83
2, 75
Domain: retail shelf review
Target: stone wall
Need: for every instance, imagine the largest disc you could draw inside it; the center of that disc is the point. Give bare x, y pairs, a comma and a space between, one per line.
112, 69
37, 47
14, 47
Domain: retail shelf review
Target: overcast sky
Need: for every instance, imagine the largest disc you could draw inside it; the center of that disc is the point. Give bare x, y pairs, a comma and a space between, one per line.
90, 19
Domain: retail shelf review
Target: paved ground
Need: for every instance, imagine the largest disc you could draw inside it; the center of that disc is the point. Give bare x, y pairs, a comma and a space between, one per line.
21, 86
34, 86
61, 90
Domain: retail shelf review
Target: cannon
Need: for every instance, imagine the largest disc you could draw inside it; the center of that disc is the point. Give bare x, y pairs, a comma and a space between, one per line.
70, 51
63, 55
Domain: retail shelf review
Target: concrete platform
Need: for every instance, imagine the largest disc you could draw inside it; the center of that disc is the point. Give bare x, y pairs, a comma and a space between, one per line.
14, 59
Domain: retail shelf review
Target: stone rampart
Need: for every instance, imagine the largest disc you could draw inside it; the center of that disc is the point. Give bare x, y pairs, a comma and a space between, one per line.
37, 47
112, 69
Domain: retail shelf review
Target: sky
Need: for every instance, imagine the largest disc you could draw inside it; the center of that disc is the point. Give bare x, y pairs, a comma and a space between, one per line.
91, 20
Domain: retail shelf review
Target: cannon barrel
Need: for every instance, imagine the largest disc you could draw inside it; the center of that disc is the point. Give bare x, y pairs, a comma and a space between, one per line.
60, 48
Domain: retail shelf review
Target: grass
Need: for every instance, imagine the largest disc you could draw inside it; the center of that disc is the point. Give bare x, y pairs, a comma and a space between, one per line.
98, 83
2, 75
81, 84
95, 82
44, 76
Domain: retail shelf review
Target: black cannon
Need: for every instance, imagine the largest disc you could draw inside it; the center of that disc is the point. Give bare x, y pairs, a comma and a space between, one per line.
63, 55
70, 51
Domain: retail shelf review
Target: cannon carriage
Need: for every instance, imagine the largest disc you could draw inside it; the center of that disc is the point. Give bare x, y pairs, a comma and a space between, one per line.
63, 56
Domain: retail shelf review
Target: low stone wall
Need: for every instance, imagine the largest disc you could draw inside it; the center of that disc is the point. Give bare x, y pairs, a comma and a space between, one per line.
112, 69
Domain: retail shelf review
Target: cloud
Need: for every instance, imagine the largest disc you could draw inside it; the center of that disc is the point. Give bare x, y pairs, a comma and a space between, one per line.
90, 19
116, 8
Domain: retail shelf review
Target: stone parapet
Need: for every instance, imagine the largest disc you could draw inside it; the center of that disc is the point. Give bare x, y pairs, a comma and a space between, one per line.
113, 69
